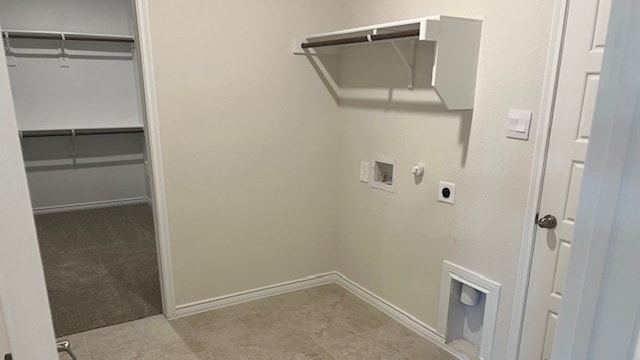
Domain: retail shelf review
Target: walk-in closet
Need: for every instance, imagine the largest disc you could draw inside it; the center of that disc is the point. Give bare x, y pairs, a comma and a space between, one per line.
73, 67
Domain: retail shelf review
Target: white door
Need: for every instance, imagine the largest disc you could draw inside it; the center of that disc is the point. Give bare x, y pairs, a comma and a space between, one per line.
23, 294
573, 113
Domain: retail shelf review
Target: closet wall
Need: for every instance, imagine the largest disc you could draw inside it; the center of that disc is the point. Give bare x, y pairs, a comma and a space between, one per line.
98, 89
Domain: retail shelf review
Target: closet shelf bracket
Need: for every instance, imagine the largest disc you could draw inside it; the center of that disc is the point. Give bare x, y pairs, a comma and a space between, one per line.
64, 58
71, 145
409, 62
11, 55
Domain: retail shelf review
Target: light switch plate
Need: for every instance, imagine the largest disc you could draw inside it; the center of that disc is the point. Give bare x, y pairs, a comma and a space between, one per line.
518, 124
364, 171
447, 192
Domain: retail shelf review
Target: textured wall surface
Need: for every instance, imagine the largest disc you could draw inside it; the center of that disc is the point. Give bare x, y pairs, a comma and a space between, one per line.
394, 244
249, 143
262, 165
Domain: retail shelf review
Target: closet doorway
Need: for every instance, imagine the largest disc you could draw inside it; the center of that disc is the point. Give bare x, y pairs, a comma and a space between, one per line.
78, 95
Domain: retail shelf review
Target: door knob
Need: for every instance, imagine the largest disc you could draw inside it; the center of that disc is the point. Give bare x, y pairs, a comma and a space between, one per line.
548, 222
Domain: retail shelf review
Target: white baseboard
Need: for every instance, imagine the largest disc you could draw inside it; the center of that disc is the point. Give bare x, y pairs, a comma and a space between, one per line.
407, 320
255, 294
334, 277
90, 205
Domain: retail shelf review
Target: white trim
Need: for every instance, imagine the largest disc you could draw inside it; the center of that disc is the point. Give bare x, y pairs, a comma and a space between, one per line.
490, 288
634, 348
155, 156
636, 353
403, 317
537, 176
334, 277
602, 224
393, 311
90, 205
255, 294
23, 293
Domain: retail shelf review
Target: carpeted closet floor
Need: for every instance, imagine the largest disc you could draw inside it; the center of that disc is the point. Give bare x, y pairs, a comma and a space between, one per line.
100, 266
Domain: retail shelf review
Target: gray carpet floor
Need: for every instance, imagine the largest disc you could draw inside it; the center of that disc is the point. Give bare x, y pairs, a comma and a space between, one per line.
100, 266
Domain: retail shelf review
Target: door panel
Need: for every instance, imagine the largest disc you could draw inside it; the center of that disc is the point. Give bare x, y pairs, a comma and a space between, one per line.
561, 271
550, 332
602, 20
572, 117
588, 106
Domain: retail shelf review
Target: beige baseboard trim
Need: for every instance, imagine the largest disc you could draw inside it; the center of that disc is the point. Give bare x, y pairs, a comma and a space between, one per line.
255, 294
334, 277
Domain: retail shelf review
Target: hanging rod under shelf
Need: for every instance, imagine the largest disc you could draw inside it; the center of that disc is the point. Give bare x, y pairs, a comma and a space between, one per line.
51, 35
362, 39
79, 132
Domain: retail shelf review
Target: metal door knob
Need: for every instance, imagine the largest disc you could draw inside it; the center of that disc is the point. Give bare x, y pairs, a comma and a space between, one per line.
548, 222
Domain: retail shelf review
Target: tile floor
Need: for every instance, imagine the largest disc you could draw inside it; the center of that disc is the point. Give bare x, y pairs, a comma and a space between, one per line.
324, 322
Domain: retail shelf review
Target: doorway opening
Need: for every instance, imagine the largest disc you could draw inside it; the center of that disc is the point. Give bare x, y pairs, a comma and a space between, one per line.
78, 95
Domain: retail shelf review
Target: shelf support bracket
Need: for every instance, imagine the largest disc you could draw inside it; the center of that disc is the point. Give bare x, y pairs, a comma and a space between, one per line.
64, 58
410, 62
71, 144
11, 55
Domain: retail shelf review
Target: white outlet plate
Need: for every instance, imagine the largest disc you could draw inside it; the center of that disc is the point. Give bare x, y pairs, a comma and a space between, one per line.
452, 195
364, 172
519, 124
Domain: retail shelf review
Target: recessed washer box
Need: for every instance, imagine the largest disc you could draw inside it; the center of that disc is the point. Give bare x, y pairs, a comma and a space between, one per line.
384, 173
474, 324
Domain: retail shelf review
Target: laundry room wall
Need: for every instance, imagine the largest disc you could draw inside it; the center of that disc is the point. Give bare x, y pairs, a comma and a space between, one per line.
394, 243
249, 144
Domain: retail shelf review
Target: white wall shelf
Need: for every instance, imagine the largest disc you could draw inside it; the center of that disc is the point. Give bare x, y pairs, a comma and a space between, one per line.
457, 42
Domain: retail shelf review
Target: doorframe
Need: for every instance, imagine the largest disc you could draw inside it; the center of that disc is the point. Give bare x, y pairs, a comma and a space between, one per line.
23, 293
152, 133
534, 197
601, 258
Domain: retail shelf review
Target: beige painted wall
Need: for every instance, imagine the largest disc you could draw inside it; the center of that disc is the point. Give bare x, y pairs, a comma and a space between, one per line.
249, 143
262, 166
394, 244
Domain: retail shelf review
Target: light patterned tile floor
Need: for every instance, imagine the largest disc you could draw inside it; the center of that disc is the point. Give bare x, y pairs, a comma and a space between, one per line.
325, 322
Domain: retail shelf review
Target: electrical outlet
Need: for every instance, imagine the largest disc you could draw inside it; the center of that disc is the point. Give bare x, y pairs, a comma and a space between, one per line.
364, 171
447, 192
